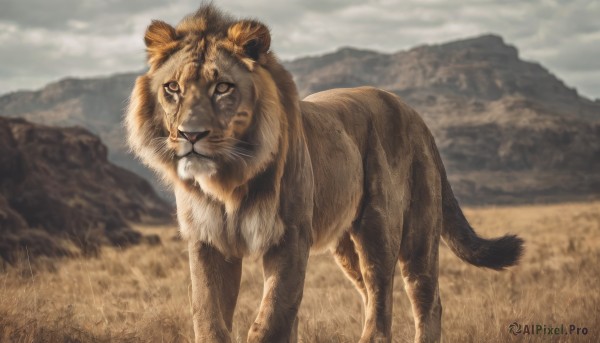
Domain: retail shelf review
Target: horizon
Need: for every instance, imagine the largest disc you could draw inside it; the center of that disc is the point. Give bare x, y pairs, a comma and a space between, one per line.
41, 43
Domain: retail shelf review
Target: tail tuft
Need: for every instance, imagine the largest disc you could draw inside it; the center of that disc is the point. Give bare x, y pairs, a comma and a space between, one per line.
497, 253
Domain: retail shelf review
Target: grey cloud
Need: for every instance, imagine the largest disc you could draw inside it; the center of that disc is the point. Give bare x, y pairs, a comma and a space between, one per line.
577, 57
57, 14
587, 83
86, 37
329, 6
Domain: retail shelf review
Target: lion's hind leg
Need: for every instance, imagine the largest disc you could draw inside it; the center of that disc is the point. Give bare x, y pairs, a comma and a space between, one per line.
421, 285
377, 256
376, 244
347, 258
419, 256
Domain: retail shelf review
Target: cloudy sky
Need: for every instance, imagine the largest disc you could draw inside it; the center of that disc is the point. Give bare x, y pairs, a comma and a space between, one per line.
45, 40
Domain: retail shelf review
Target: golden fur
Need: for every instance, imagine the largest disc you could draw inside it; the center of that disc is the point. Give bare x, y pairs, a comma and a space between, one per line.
256, 171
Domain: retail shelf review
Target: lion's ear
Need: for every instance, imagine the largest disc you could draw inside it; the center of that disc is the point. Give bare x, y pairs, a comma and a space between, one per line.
161, 40
250, 37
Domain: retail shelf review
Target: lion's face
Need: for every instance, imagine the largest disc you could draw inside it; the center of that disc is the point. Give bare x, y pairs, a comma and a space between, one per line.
207, 102
208, 106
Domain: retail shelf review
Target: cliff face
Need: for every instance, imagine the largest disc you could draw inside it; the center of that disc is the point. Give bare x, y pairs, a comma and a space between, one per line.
56, 184
509, 131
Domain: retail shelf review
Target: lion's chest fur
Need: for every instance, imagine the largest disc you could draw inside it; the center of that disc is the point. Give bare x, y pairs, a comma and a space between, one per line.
247, 229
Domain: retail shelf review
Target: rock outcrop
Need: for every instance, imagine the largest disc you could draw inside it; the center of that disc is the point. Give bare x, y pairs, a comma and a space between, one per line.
57, 188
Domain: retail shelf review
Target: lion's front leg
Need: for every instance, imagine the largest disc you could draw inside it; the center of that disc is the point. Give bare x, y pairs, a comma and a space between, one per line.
215, 287
284, 268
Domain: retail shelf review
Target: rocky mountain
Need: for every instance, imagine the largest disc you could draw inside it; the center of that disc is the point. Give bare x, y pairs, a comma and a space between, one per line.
58, 190
509, 130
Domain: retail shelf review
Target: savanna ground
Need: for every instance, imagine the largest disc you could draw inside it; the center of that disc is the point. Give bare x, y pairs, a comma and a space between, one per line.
141, 294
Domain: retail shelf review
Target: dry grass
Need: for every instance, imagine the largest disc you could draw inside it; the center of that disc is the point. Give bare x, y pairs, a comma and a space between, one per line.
141, 294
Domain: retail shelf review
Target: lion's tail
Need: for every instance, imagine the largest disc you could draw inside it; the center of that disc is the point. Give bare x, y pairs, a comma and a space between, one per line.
496, 253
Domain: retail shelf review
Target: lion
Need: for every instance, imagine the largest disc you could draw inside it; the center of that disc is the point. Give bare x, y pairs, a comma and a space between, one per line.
258, 172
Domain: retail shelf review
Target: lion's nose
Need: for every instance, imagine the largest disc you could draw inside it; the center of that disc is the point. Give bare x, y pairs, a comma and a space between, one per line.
193, 137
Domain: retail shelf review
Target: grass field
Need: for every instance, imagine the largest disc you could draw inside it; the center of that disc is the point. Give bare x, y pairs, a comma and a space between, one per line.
141, 294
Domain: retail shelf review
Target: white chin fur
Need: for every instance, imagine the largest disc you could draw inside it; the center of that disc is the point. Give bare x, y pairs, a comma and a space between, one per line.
183, 147
192, 167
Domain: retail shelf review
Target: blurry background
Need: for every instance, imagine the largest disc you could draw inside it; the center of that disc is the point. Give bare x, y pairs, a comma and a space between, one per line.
510, 90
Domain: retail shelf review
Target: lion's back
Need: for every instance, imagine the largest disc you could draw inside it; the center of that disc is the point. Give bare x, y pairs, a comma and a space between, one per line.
363, 111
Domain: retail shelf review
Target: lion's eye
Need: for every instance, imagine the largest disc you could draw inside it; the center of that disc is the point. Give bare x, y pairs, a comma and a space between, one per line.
172, 87
223, 87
